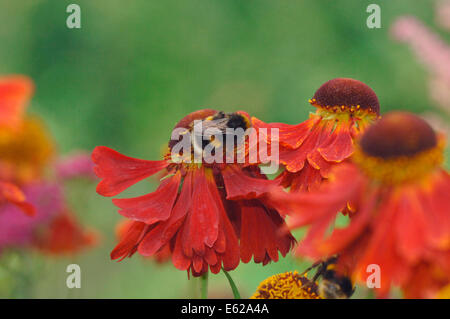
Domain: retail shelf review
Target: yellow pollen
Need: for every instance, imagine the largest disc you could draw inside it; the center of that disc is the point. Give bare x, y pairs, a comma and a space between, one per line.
400, 169
288, 285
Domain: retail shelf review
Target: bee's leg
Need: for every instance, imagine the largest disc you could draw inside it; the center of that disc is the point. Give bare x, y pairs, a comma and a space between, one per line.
320, 271
311, 267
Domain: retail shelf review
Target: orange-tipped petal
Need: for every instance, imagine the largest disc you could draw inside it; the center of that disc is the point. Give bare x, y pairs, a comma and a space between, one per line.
341, 146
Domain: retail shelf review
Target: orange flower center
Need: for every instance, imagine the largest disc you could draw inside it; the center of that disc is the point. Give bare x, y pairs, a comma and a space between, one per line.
289, 285
400, 169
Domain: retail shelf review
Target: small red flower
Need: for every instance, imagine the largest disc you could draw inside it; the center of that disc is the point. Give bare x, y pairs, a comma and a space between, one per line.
64, 235
200, 210
399, 194
308, 151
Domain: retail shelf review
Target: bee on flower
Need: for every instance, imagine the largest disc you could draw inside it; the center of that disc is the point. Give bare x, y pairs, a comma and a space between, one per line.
211, 212
398, 190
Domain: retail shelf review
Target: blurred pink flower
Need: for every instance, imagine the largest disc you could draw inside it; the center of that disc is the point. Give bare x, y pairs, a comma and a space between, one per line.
431, 50
442, 13
428, 47
75, 165
16, 228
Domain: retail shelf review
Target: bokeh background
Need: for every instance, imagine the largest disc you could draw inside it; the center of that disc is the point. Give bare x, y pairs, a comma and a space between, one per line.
136, 67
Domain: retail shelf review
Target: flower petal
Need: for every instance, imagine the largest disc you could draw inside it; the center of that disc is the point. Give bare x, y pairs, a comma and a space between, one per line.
128, 244
261, 233
164, 231
202, 222
342, 145
239, 185
118, 172
291, 136
153, 207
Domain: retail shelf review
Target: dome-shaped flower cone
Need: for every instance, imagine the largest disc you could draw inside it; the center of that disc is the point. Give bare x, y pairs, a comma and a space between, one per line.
345, 107
200, 210
399, 194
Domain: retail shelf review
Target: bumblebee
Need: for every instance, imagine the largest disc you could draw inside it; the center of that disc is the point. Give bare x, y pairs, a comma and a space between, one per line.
332, 285
221, 122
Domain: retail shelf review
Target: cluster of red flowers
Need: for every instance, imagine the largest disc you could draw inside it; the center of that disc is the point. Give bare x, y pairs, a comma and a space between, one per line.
384, 174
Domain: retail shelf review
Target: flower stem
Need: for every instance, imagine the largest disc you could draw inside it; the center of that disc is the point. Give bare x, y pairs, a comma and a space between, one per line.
232, 285
204, 286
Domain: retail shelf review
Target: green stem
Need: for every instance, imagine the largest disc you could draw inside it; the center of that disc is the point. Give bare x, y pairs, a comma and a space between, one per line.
232, 285
204, 286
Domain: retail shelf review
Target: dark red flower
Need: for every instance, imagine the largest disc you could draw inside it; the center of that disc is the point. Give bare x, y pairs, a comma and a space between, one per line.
399, 192
308, 151
207, 218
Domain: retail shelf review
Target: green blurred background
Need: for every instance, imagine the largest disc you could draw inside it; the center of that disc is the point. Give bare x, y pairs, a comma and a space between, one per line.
136, 67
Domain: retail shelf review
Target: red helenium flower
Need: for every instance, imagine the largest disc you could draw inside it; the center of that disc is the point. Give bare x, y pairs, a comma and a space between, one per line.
399, 194
201, 211
345, 107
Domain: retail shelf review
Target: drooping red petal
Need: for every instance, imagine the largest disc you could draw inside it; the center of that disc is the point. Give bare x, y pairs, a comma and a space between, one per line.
118, 172
408, 226
307, 179
153, 207
192, 250
294, 159
291, 136
128, 244
179, 259
330, 198
162, 233
436, 203
203, 219
341, 146
240, 185
341, 238
381, 250
316, 160
261, 233
227, 243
